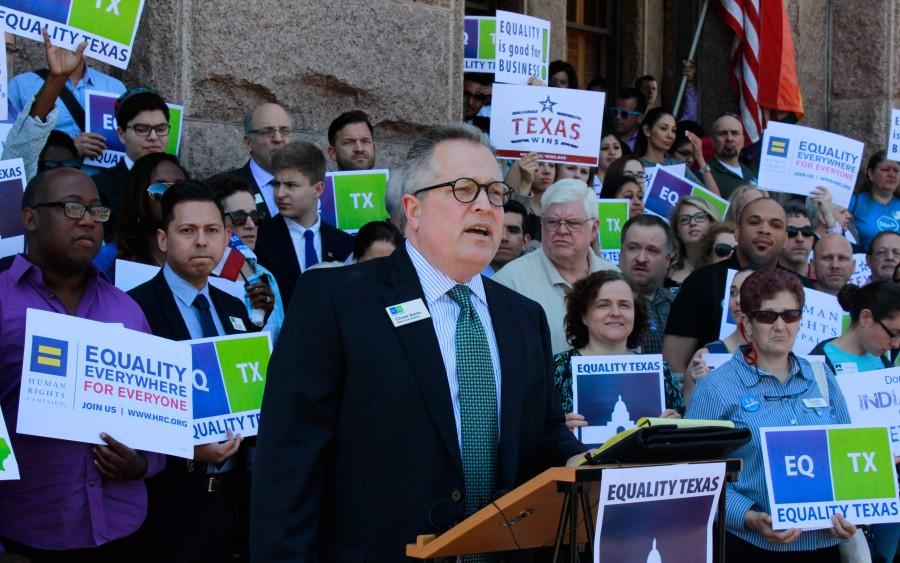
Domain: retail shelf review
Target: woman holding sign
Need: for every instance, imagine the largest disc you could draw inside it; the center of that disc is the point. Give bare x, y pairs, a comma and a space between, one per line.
764, 385
605, 317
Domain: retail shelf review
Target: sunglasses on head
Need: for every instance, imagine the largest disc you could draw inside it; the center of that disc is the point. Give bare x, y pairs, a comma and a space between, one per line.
769, 317
807, 232
239, 218
723, 250
157, 189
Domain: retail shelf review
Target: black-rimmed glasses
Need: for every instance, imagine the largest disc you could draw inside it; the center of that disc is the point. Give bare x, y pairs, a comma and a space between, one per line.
466, 190
893, 335
143, 130
75, 210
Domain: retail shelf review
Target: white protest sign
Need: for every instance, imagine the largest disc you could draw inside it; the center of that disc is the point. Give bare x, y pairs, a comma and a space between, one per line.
563, 125
796, 159
479, 51
893, 144
522, 48
229, 376
862, 272
82, 377
676, 170
873, 400
658, 513
129, 275
12, 245
9, 468
4, 82
815, 472
12, 185
613, 392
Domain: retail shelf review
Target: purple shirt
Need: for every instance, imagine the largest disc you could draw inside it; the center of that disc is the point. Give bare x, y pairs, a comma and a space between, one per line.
61, 502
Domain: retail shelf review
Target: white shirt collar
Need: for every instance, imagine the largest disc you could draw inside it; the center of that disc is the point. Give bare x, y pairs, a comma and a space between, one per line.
128, 162
435, 284
300, 229
261, 176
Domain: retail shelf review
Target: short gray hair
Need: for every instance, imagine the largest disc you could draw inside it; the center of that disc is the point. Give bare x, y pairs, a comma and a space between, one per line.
568, 191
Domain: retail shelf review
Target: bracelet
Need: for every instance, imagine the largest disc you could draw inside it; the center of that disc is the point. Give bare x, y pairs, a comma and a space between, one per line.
705, 169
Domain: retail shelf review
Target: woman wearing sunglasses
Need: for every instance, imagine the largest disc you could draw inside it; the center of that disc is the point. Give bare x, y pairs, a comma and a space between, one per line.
691, 220
719, 242
135, 235
765, 384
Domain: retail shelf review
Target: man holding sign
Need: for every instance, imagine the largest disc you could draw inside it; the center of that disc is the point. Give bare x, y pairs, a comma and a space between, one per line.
92, 497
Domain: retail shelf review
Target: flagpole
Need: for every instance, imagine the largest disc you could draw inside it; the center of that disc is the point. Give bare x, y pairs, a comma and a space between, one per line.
694, 43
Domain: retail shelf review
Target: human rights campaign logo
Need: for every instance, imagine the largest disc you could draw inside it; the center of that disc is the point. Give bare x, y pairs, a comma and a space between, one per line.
48, 355
778, 146
396, 310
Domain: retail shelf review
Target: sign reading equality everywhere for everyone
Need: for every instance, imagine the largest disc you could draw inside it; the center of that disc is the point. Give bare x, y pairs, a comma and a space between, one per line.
229, 376
100, 117
12, 185
562, 124
658, 513
108, 26
796, 159
815, 472
479, 52
83, 377
893, 144
613, 214
522, 48
667, 189
9, 468
873, 398
822, 318
353, 198
613, 392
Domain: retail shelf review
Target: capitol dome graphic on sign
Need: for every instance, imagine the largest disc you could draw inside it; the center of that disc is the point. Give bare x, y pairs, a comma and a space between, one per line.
619, 422
653, 556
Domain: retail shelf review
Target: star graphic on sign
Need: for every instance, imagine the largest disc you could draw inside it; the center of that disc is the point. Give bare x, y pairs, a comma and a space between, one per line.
548, 105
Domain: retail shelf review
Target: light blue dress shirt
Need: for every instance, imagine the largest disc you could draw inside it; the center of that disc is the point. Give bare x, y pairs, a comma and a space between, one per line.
185, 293
444, 313
719, 395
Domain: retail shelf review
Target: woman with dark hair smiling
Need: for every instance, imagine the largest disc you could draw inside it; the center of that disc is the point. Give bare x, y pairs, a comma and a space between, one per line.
763, 385
605, 317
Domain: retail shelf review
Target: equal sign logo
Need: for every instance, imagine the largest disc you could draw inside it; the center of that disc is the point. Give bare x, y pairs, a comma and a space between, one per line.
778, 146
48, 355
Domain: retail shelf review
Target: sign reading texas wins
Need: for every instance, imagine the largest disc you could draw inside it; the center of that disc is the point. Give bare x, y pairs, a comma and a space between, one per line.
563, 125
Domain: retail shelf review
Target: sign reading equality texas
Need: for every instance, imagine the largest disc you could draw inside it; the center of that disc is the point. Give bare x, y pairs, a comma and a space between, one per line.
108, 26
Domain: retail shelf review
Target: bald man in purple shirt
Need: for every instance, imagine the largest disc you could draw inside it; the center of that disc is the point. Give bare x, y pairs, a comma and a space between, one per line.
75, 501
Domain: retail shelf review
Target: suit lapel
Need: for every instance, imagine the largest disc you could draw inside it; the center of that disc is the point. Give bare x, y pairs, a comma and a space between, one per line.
327, 243
226, 312
420, 344
168, 310
511, 394
286, 246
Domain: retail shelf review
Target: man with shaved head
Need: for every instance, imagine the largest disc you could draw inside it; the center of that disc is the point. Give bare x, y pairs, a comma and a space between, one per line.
697, 310
833, 263
726, 167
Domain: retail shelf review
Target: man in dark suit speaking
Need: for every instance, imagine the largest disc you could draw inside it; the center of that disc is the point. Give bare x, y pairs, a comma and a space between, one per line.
408, 392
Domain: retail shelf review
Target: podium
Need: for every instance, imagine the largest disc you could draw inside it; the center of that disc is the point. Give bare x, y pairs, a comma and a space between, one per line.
554, 509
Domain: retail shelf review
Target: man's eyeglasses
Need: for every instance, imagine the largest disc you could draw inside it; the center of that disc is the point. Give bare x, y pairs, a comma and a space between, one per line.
573, 225
790, 316
466, 190
623, 113
270, 132
723, 250
44, 165
807, 232
143, 130
893, 335
157, 189
75, 210
699, 218
884, 252
239, 217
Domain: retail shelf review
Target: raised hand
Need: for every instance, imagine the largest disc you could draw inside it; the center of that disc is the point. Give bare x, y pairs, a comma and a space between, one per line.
62, 62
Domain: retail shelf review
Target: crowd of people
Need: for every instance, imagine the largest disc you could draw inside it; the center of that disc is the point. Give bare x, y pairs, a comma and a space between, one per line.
376, 430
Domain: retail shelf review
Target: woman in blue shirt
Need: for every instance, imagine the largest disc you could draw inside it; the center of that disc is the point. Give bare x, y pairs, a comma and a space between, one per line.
765, 384
876, 207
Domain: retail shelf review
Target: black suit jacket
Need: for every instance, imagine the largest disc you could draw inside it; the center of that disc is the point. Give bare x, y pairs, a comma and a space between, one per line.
247, 174
111, 183
275, 250
357, 451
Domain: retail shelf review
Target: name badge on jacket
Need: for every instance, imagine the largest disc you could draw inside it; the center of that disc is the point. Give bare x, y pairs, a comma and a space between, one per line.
409, 312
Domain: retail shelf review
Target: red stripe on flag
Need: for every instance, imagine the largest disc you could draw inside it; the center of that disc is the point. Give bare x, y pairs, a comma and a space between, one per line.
230, 266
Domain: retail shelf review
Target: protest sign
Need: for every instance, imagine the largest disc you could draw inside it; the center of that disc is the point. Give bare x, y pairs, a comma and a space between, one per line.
129, 275
667, 189
873, 398
814, 472
796, 159
522, 48
862, 272
478, 44
108, 26
352, 199
12, 245
562, 124
823, 318
893, 144
100, 118
82, 377
4, 84
4, 132
612, 392
658, 513
229, 375
12, 185
676, 170
9, 468
613, 214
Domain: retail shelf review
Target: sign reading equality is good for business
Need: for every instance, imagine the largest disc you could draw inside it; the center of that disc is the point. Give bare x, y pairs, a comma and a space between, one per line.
83, 377
522, 48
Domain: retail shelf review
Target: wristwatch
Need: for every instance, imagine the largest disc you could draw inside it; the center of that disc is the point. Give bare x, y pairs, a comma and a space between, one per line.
704, 169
